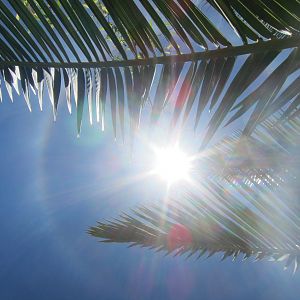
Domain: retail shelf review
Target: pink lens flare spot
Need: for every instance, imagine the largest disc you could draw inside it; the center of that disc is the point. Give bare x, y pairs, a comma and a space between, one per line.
179, 236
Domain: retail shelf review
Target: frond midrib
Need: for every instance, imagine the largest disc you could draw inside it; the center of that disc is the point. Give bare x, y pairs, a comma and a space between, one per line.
259, 47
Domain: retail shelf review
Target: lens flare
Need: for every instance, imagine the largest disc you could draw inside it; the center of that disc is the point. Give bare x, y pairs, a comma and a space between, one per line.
179, 237
172, 164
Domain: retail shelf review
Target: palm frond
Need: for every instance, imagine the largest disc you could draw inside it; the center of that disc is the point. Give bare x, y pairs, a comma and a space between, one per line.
205, 86
68, 30
98, 44
213, 221
171, 54
258, 158
251, 209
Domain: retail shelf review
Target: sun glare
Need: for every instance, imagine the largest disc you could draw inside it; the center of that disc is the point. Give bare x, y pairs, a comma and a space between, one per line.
172, 164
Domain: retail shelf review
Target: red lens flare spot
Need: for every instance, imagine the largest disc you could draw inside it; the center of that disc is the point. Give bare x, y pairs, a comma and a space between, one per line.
181, 100
179, 236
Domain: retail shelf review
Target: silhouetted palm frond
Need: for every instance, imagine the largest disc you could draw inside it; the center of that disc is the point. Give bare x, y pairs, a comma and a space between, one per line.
213, 220
103, 53
199, 85
125, 54
65, 31
245, 202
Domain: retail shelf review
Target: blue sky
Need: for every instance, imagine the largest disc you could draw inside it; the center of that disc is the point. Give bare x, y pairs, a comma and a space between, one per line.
54, 186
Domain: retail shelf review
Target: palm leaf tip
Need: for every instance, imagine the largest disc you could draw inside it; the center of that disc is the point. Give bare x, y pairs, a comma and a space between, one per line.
54, 37
131, 86
211, 233
255, 216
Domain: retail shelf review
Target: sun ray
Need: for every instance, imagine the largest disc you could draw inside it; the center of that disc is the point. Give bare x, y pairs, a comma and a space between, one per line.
172, 164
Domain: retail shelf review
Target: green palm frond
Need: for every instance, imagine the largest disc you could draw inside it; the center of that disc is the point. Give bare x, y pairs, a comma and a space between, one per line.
116, 57
246, 202
202, 85
101, 51
68, 30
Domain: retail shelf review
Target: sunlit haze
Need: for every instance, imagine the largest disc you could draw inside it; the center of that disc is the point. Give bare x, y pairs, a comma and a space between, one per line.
172, 164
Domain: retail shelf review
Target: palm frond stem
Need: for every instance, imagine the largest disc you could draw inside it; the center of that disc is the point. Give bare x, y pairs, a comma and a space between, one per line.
259, 47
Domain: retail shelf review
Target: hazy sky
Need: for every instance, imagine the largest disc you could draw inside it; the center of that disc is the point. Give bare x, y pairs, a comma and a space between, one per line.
54, 186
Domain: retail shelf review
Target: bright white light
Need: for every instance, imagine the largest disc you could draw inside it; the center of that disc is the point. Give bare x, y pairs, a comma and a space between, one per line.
172, 164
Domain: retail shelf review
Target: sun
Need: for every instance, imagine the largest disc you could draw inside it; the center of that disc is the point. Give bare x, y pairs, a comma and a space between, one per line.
172, 164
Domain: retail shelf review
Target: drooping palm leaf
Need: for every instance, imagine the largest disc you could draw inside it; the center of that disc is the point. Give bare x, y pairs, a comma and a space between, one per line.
213, 220
202, 86
252, 209
171, 53
73, 35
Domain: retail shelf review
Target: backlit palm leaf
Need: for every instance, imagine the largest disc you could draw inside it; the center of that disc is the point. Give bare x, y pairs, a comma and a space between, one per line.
244, 203
200, 88
98, 35
169, 53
